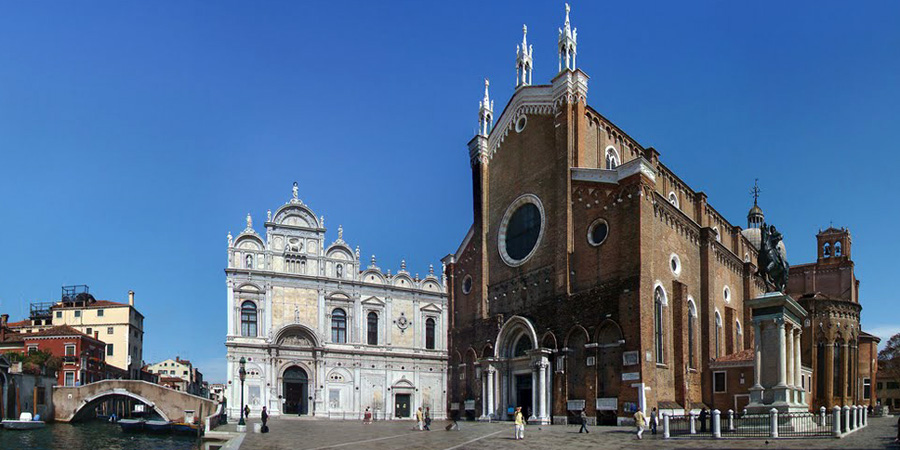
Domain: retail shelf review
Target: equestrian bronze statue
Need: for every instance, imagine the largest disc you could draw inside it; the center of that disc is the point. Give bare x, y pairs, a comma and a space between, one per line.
772, 262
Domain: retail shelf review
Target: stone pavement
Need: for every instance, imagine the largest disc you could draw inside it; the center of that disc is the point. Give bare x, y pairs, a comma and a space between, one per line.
296, 433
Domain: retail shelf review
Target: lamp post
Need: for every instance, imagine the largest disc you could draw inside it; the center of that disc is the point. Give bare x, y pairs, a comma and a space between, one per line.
242, 374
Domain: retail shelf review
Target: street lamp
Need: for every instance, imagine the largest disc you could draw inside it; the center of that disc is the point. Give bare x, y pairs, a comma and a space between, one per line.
242, 374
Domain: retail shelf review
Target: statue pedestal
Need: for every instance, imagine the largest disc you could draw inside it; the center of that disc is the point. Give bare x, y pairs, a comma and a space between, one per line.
777, 324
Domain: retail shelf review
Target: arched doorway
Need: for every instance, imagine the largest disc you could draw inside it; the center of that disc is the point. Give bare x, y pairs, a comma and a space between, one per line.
609, 372
296, 391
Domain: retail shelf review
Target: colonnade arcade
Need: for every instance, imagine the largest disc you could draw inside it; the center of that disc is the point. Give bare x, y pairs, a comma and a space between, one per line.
777, 346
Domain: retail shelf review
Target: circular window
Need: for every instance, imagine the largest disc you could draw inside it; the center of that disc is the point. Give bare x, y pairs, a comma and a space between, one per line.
597, 232
467, 284
726, 294
521, 229
675, 264
520, 123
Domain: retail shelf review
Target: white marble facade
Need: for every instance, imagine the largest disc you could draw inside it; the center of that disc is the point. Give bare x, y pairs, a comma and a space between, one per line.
324, 336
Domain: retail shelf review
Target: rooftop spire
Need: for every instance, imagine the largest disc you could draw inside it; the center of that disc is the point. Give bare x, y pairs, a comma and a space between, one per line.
485, 112
754, 191
755, 217
524, 60
568, 40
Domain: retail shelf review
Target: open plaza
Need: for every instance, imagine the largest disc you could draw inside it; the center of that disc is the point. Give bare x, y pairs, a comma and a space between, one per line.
290, 433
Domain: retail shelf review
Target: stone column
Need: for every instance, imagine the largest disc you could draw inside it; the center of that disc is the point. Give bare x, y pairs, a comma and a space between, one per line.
756, 390
535, 395
782, 355
798, 367
542, 391
491, 408
789, 357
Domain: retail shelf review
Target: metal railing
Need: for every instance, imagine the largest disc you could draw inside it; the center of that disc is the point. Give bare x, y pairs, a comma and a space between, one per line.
837, 422
804, 425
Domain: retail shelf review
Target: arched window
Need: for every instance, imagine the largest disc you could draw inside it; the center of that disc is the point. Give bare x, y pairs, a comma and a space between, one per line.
658, 297
718, 334
826, 250
673, 198
522, 346
338, 326
249, 261
429, 334
738, 336
837, 249
612, 158
836, 368
248, 319
372, 328
692, 327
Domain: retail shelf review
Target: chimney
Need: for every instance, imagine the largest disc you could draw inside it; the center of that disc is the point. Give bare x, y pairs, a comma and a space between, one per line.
3, 319
97, 335
131, 298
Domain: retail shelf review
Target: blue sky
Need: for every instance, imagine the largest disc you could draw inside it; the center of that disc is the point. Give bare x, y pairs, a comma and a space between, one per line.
135, 135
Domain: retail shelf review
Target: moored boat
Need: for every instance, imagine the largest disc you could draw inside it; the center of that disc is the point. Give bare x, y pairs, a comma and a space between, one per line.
157, 426
185, 428
25, 422
131, 424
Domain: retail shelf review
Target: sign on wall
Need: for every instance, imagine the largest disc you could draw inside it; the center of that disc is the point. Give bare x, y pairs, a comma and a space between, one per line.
631, 376
608, 404
575, 405
470, 405
630, 358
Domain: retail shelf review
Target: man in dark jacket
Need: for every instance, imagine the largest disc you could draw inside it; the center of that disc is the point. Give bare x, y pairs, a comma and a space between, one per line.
703, 416
265, 418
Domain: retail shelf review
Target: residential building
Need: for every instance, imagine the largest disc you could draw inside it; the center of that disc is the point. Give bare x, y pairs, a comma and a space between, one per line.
119, 325
179, 374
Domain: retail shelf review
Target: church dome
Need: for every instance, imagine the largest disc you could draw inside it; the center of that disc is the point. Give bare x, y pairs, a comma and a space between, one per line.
755, 211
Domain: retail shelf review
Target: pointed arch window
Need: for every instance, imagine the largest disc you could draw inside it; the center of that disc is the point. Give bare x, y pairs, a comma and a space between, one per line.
338, 326
738, 336
372, 328
692, 327
248, 319
837, 249
826, 250
658, 300
429, 334
718, 335
612, 158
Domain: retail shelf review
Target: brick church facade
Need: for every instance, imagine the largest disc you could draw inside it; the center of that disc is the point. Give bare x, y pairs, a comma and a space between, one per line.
592, 276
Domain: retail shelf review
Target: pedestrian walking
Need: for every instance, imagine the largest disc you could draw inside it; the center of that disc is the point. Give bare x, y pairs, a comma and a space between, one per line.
419, 419
428, 418
704, 414
454, 418
265, 419
583, 422
520, 423
639, 420
654, 421
246, 411
367, 416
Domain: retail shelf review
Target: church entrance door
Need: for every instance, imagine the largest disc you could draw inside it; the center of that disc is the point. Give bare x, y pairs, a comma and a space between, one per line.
402, 405
523, 394
296, 391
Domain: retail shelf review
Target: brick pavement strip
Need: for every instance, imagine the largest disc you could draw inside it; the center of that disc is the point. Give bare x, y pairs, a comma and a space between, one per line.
311, 434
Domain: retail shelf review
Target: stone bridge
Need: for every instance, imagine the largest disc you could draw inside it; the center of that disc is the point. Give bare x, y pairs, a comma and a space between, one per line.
74, 403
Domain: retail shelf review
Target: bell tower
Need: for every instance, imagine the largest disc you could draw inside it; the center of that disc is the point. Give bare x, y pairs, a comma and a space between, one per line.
834, 245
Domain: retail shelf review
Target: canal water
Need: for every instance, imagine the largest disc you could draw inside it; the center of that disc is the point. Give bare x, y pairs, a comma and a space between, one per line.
94, 435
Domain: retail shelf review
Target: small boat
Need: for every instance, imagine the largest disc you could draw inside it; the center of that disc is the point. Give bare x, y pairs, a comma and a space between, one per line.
157, 426
185, 428
131, 424
25, 422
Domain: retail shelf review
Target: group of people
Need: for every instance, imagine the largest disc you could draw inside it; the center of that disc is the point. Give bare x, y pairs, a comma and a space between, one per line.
640, 421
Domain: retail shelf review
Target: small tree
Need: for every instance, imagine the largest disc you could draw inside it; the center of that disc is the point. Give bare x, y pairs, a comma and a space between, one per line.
889, 358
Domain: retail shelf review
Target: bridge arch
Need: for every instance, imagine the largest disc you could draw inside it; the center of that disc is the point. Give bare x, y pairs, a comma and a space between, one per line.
89, 404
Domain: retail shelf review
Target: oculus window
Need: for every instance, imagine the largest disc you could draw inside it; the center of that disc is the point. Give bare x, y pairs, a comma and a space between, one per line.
598, 232
521, 230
